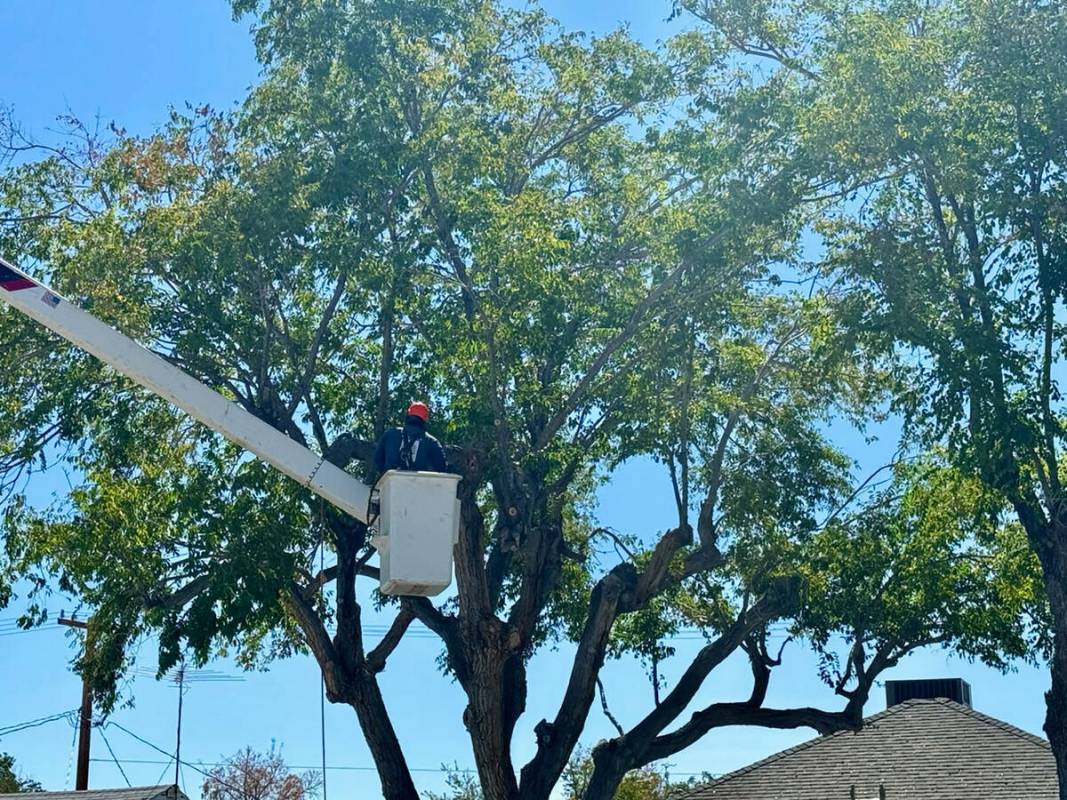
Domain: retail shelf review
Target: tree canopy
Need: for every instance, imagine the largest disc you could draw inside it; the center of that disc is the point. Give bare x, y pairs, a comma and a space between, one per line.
581, 251
938, 132
249, 775
10, 781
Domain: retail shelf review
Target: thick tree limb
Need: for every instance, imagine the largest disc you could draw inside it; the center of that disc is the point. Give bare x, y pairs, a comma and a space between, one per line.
556, 740
180, 597
318, 639
724, 714
376, 658
622, 590
777, 601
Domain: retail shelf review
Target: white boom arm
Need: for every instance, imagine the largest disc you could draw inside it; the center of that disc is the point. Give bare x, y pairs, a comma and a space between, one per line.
201, 402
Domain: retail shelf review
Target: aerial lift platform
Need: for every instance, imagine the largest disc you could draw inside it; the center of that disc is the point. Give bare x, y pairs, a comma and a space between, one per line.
418, 517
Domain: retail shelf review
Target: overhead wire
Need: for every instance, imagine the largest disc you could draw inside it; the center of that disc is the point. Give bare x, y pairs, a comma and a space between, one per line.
196, 765
115, 758
166, 766
333, 767
36, 723
20, 632
415, 632
192, 766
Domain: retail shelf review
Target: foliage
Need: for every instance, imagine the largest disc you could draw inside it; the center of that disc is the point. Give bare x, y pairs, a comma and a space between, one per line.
646, 783
249, 775
10, 782
934, 131
886, 571
461, 786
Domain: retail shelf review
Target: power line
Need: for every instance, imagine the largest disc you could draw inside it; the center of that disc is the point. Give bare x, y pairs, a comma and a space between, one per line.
166, 766
70, 758
379, 631
334, 767
21, 631
114, 758
180, 775
197, 764
36, 723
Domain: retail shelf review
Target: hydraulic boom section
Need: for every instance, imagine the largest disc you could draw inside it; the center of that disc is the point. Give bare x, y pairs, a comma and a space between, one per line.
227, 418
199, 401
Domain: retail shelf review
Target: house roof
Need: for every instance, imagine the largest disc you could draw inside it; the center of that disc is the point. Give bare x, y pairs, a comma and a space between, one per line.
164, 792
917, 750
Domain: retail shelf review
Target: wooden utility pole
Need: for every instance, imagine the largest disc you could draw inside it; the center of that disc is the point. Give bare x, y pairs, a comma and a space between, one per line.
178, 743
81, 782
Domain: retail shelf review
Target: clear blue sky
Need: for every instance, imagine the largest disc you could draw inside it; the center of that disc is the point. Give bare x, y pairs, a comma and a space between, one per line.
129, 61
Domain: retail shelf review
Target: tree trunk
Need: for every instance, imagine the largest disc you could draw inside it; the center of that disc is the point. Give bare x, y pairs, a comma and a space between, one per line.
381, 738
1054, 565
484, 718
608, 772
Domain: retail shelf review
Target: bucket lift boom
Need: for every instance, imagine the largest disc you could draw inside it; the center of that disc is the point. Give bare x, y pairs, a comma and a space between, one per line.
415, 525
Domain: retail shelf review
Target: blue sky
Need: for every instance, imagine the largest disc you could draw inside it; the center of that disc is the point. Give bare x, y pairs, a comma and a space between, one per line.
129, 62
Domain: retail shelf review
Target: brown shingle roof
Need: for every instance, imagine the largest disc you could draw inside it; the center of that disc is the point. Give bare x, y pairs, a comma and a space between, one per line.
918, 750
163, 792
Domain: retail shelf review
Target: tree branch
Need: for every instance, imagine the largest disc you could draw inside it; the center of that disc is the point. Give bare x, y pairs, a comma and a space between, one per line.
376, 658
637, 316
180, 597
606, 710
723, 714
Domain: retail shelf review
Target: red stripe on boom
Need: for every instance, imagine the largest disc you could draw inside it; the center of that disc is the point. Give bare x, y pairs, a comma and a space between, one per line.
16, 284
12, 281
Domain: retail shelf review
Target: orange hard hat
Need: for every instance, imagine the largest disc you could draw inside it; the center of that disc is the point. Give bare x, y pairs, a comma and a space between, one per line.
420, 410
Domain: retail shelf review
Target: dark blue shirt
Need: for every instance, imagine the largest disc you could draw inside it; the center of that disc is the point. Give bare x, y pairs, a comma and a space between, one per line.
424, 451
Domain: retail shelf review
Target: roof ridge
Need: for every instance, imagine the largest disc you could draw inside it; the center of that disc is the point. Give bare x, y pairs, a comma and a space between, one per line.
1000, 724
817, 740
874, 718
151, 789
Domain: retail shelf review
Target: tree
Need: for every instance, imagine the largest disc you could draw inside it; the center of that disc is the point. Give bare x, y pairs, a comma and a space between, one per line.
461, 786
937, 130
576, 248
10, 782
646, 783
249, 775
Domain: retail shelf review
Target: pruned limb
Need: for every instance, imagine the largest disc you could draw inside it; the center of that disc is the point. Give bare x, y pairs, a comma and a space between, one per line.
180, 597
779, 600
376, 658
724, 714
318, 639
556, 739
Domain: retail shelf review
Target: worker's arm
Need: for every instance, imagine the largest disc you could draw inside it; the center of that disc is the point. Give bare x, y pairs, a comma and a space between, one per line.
379, 453
437, 456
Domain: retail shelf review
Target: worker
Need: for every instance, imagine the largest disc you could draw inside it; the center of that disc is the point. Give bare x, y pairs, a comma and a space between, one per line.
410, 447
